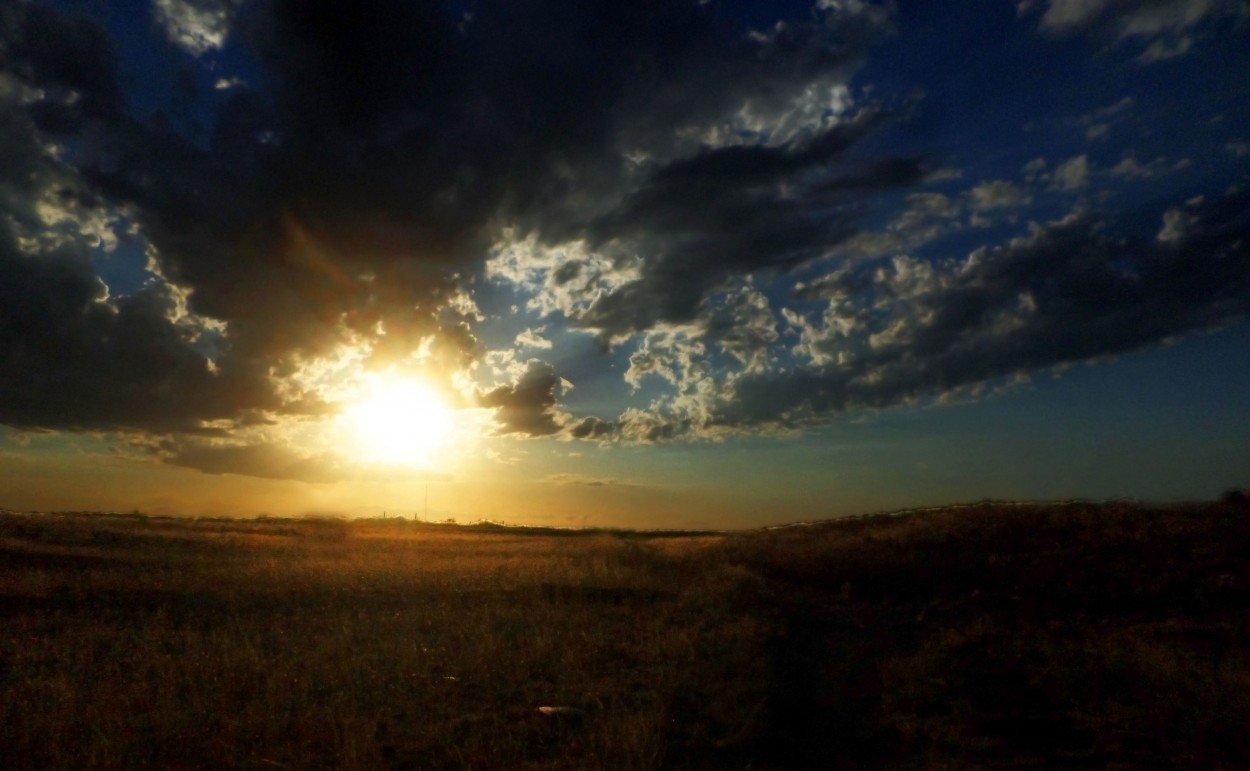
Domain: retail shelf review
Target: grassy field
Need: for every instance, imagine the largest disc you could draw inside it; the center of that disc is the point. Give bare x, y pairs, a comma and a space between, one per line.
990, 636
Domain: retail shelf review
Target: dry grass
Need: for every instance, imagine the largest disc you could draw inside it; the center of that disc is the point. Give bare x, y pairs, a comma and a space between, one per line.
1080, 636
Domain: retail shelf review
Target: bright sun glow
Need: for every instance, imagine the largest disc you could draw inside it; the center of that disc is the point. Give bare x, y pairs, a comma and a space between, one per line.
400, 421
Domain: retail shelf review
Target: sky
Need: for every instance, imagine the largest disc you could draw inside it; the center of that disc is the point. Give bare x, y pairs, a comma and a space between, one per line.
667, 263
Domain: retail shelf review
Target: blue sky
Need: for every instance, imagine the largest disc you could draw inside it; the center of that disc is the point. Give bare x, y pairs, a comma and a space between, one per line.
671, 263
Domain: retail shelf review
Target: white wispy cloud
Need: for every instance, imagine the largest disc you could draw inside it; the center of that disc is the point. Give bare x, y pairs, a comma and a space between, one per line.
1072, 174
199, 26
531, 338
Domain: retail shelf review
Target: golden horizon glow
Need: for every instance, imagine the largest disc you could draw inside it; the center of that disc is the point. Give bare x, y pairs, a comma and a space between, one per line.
400, 421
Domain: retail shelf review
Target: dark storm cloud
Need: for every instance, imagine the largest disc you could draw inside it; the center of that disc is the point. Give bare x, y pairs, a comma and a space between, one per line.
73, 362
258, 460
357, 181
703, 222
593, 428
527, 406
72, 358
905, 329
61, 52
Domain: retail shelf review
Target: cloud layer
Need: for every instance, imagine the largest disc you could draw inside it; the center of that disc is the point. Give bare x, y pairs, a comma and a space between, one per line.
757, 238
356, 191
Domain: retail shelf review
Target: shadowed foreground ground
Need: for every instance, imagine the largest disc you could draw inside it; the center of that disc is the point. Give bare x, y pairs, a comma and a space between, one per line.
1080, 636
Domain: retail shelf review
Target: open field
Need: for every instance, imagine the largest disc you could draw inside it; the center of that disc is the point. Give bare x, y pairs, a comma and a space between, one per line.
1078, 636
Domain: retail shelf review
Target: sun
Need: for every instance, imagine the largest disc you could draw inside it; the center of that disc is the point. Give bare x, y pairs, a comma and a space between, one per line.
399, 421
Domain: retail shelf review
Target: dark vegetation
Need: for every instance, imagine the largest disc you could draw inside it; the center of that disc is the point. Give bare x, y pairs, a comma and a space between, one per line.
989, 636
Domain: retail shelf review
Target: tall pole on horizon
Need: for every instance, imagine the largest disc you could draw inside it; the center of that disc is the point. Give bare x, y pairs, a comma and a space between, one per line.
426, 515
